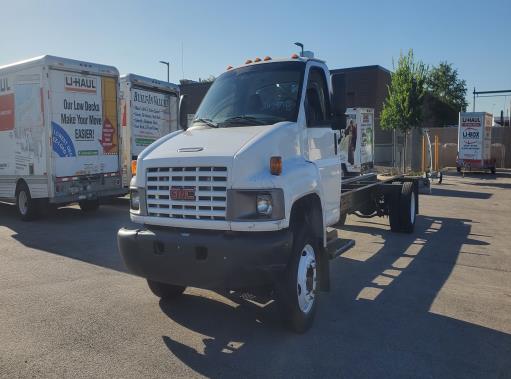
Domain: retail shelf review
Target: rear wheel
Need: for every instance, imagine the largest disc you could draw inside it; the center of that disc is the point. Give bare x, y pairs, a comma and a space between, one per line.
89, 205
297, 291
164, 290
407, 206
25, 205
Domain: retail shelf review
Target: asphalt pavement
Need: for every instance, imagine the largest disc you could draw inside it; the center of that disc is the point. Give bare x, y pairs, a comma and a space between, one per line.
434, 304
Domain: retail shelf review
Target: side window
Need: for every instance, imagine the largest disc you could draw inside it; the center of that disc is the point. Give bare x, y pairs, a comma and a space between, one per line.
317, 102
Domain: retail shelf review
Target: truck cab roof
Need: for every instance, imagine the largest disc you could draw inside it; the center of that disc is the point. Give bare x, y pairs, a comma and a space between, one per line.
251, 62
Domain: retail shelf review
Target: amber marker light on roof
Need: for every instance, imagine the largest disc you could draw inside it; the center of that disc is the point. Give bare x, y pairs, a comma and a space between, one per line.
276, 165
257, 60
294, 56
248, 61
228, 67
267, 58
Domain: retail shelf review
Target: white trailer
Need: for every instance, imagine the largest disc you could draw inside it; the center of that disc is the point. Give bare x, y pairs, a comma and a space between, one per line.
474, 142
149, 111
58, 134
356, 148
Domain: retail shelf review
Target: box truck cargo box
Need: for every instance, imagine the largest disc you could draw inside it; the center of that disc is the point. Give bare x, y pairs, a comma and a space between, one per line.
356, 148
474, 141
58, 133
149, 111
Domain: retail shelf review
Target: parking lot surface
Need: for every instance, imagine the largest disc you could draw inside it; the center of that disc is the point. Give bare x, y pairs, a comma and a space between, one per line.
435, 304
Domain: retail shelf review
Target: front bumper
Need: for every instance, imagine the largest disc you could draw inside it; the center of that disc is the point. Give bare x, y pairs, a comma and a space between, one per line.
204, 258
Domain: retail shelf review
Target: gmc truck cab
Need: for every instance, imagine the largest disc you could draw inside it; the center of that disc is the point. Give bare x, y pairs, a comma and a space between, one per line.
242, 199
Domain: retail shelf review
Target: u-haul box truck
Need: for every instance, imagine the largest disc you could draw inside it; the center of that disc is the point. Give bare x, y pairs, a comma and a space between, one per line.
357, 142
58, 133
149, 111
474, 141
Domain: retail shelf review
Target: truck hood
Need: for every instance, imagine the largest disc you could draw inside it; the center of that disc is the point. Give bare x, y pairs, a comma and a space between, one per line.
206, 142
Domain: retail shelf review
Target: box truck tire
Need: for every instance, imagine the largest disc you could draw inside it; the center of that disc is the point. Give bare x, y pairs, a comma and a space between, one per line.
26, 206
89, 205
296, 292
164, 290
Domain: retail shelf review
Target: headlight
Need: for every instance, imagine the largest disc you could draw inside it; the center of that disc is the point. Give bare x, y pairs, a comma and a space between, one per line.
134, 199
264, 205
255, 204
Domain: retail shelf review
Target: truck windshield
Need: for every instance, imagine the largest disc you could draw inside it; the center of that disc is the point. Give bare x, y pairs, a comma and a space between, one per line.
259, 94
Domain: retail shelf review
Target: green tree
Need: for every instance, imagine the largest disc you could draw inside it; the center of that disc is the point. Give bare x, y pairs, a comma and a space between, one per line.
444, 84
402, 109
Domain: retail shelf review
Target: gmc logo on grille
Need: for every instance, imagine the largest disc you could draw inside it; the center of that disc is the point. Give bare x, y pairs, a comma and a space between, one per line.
179, 193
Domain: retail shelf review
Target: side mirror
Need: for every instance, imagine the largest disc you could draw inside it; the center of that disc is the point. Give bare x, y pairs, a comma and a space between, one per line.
183, 122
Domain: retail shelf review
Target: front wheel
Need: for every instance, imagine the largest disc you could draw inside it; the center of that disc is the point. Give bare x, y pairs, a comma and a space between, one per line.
297, 292
164, 290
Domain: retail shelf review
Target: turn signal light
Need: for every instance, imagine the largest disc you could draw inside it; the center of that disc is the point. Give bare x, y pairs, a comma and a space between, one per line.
248, 61
294, 56
276, 165
267, 58
134, 167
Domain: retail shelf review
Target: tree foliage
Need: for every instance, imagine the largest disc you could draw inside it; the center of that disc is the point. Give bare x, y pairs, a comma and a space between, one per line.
402, 109
444, 84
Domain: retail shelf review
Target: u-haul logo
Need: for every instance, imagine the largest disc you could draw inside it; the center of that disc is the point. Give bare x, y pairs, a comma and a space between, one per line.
4, 85
80, 84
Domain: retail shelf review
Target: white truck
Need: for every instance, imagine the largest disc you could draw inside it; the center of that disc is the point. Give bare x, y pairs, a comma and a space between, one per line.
356, 148
474, 142
58, 134
248, 197
149, 111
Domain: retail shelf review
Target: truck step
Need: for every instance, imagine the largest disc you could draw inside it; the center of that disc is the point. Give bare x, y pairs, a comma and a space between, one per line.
338, 246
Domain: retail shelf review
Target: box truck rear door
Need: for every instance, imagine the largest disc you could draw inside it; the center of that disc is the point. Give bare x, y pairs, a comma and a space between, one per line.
83, 123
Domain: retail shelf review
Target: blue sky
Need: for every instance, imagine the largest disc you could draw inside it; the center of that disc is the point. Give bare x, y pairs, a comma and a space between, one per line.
134, 35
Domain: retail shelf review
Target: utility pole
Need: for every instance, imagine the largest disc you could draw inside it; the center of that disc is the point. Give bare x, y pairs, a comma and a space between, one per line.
168, 69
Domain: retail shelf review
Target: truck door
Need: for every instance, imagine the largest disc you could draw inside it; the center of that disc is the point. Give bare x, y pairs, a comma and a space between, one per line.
322, 142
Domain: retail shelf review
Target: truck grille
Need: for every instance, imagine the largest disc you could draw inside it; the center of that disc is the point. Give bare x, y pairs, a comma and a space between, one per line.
208, 184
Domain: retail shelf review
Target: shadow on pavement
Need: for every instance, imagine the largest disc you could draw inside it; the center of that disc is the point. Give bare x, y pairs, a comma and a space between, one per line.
376, 322
457, 193
67, 232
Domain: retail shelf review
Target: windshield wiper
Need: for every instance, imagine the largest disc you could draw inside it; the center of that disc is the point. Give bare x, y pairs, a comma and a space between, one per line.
243, 120
206, 121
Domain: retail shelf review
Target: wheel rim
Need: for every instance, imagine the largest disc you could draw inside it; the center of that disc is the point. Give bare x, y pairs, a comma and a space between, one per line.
306, 279
412, 208
23, 202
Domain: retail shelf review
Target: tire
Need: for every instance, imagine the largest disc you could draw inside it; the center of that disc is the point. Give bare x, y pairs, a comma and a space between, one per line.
407, 208
458, 168
297, 290
26, 206
493, 170
164, 290
342, 220
89, 205
394, 215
